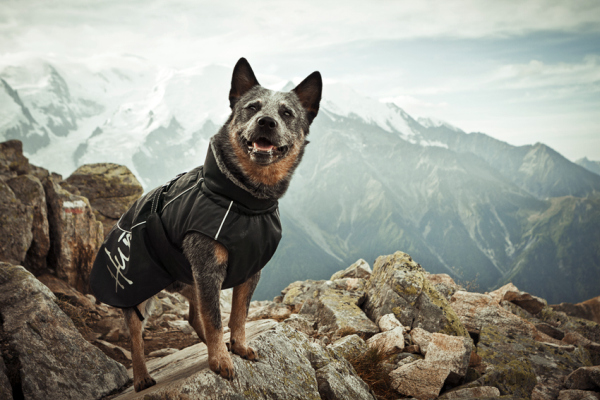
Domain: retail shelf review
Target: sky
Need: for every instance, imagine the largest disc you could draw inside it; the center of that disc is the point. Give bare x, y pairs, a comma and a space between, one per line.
521, 71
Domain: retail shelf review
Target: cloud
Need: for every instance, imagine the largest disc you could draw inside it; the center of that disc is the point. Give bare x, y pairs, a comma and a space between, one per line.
181, 30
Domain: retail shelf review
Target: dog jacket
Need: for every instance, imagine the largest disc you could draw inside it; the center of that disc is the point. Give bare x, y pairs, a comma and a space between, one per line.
142, 253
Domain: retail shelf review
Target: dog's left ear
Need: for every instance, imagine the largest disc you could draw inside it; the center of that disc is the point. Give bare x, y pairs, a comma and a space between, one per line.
309, 93
243, 79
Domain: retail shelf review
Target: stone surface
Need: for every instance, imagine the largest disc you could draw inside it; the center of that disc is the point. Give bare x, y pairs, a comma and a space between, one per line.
286, 369
349, 347
498, 294
421, 338
578, 395
420, 379
474, 393
76, 235
12, 160
526, 301
444, 284
516, 378
337, 311
589, 309
360, 269
549, 363
389, 342
30, 192
55, 361
338, 381
16, 221
400, 286
584, 378
276, 311
5, 387
388, 322
110, 188
452, 352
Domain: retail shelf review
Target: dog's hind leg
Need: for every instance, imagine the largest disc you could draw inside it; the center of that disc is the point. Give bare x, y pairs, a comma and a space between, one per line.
141, 378
242, 294
209, 266
189, 292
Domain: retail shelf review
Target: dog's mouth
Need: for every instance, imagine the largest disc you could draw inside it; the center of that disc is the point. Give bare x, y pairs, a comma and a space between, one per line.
263, 146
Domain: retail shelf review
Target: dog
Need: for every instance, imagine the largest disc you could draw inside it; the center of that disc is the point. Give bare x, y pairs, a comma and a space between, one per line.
253, 156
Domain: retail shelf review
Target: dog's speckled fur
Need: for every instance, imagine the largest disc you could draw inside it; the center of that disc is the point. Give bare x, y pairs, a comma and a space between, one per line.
258, 149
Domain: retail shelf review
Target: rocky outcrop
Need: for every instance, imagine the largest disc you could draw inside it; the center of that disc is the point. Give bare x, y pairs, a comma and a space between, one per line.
15, 229
75, 234
110, 188
400, 286
589, 309
48, 357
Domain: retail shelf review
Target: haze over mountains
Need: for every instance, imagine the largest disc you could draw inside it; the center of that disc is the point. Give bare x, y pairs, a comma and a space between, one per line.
374, 180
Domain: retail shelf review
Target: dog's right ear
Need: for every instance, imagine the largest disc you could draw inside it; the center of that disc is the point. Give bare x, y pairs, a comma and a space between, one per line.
243, 80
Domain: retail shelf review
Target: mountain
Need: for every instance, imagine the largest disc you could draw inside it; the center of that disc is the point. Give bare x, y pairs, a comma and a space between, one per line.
374, 180
593, 166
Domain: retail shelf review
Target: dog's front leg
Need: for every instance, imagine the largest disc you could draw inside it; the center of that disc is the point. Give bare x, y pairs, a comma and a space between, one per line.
209, 266
141, 379
242, 294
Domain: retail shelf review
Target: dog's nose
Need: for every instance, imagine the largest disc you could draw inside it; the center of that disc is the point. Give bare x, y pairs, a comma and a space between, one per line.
267, 122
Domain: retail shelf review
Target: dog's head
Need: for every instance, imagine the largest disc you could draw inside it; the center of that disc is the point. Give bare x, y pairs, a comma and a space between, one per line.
267, 129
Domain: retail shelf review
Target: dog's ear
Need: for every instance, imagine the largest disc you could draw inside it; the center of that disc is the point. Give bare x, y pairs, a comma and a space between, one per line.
243, 80
309, 93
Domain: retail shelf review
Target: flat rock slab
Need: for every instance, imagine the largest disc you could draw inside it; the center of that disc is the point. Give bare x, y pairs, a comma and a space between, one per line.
171, 371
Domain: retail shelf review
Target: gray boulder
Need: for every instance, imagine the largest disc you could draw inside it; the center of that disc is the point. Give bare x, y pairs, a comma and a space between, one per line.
16, 220
399, 285
54, 361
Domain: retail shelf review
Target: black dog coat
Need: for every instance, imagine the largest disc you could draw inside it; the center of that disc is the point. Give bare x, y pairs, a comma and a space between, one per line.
142, 254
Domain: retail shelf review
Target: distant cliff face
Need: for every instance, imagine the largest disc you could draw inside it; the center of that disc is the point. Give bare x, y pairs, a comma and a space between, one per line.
373, 178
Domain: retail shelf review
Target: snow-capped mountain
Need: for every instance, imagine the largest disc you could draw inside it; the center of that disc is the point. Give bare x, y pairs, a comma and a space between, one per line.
374, 180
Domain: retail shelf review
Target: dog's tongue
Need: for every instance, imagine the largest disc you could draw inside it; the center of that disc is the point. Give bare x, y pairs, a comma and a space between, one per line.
262, 145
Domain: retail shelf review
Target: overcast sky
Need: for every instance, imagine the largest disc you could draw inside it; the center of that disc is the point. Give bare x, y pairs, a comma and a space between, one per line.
522, 71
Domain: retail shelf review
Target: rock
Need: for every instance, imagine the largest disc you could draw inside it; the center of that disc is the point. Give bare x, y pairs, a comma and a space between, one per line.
388, 342
444, 284
337, 311
498, 294
338, 381
578, 395
360, 269
549, 363
5, 386
420, 379
16, 226
76, 235
183, 326
399, 285
477, 310
564, 322
110, 188
388, 322
12, 160
286, 369
473, 393
276, 311
516, 378
452, 352
589, 309
119, 349
531, 304
584, 378
30, 192
62, 290
550, 330
54, 359
349, 347
421, 338
297, 292
162, 352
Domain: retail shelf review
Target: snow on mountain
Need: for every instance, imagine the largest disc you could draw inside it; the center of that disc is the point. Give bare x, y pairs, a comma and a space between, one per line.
429, 122
109, 108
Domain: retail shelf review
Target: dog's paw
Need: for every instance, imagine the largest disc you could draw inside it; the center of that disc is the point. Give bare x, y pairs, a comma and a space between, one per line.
144, 383
246, 352
222, 365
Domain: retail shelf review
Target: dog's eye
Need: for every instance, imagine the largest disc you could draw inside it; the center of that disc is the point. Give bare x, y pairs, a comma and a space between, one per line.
253, 108
287, 113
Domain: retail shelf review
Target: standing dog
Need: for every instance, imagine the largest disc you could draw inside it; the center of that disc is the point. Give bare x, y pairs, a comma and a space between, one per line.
251, 159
